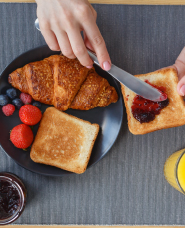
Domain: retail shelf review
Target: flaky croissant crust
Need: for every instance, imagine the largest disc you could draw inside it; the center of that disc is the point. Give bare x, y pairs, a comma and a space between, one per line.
64, 83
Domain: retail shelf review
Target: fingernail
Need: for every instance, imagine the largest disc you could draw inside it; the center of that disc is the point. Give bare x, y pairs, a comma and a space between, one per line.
89, 66
182, 90
106, 66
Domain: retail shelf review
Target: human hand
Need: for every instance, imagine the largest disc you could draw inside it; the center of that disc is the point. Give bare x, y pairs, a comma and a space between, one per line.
180, 67
61, 22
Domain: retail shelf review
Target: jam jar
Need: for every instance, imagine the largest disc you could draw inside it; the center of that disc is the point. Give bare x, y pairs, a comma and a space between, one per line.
12, 198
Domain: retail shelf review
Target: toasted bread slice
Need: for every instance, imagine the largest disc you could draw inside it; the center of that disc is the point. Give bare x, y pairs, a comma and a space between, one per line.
64, 141
171, 116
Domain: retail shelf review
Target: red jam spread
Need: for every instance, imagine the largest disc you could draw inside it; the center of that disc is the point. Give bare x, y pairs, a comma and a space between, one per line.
9, 199
145, 110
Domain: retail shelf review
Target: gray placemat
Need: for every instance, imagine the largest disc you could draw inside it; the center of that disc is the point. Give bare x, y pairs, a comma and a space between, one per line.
127, 186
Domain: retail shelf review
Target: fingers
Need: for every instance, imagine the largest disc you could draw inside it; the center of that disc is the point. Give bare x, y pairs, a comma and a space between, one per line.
79, 48
181, 86
49, 37
61, 24
180, 67
87, 42
96, 40
64, 44
180, 64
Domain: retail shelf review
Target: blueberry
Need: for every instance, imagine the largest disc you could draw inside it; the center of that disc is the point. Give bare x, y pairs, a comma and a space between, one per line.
4, 100
18, 103
11, 93
37, 104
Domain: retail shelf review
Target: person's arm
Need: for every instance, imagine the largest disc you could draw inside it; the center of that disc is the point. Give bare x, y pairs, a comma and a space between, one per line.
61, 22
180, 67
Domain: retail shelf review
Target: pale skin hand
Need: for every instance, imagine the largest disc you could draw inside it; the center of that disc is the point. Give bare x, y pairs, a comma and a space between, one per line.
180, 67
61, 22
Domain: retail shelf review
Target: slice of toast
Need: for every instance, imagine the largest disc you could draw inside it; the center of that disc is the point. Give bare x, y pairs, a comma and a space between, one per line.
171, 116
64, 141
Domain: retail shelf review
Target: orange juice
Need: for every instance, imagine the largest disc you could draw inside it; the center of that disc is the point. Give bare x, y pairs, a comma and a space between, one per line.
181, 172
174, 170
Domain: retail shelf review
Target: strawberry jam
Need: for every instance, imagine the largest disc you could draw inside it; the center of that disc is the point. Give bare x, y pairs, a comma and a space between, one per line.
9, 199
12, 198
145, 110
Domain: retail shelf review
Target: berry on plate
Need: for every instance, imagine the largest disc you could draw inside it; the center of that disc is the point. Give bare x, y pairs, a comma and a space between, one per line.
26, 98
30, 114
21, 136
11, 93
17, 102
4, 100
37, 104
8, 109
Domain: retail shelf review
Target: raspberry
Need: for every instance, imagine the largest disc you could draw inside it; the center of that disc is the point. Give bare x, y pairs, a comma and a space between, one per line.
8, 109
30, 114
26, 98
21, 136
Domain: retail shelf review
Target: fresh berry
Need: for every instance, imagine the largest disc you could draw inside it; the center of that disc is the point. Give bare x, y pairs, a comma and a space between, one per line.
11, 93
25, 98
18, 103
30, 114
37, 104
4, 100
21, 136
8, 109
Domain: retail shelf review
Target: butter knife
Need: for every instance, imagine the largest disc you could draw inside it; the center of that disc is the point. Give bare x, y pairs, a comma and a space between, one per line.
136, 85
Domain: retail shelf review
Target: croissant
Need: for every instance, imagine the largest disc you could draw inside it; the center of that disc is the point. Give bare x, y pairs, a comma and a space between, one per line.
64, 83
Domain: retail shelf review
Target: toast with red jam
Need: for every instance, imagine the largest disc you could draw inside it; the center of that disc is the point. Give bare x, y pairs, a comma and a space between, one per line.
145, 116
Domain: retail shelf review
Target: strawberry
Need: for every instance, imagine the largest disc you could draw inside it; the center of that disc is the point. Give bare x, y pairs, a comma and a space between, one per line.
25, 98
30, 114
8, 109
21, 136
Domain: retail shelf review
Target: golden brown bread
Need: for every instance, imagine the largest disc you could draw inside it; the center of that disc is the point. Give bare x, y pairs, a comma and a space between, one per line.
64, 83
171, 116
64, 141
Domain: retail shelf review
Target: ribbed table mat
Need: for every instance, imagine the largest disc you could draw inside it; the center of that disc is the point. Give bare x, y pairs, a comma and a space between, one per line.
127, 186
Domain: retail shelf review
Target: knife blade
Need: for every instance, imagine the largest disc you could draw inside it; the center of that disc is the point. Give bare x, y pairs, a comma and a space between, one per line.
136, 85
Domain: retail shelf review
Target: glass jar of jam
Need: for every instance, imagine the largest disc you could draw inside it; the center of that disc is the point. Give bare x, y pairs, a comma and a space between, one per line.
12, 198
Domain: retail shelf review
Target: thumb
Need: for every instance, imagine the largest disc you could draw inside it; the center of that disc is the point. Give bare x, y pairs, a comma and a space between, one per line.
181, 86
180, 64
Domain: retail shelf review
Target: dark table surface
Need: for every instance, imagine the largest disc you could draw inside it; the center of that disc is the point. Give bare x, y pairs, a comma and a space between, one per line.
127, 186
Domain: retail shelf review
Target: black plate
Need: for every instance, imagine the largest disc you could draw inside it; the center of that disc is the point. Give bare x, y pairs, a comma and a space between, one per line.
109, 119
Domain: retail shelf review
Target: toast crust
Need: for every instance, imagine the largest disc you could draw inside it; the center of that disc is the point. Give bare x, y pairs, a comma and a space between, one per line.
171, 116
63, 141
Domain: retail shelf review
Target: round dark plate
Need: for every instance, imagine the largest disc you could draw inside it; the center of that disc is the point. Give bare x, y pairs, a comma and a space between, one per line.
109, 119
